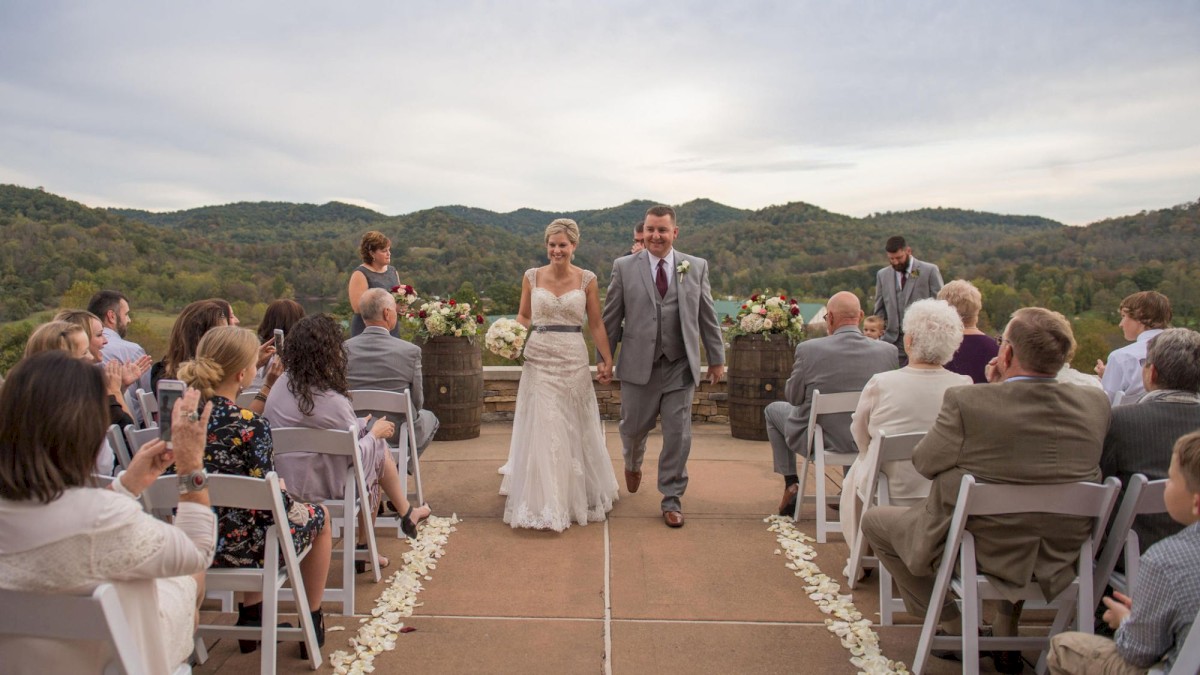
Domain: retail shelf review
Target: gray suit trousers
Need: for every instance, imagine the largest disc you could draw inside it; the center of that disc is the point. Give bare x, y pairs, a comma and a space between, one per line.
669, 393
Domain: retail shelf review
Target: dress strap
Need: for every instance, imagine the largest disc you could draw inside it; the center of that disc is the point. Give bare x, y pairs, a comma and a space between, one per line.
588, 276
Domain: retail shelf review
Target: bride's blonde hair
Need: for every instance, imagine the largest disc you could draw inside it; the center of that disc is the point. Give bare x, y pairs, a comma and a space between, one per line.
222, 351
564, 226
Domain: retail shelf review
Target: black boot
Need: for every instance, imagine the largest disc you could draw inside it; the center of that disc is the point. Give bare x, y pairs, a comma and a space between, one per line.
249, 616
318, 617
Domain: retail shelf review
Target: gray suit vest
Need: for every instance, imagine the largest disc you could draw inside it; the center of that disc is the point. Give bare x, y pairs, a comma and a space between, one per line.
669, 340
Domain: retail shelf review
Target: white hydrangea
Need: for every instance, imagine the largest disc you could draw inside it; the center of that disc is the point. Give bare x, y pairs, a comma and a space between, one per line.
752, 323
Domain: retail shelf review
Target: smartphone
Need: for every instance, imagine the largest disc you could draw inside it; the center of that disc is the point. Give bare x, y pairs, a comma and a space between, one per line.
278, 339
169, 391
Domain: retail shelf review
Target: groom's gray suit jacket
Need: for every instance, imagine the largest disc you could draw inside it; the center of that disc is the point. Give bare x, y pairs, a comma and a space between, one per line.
631, 316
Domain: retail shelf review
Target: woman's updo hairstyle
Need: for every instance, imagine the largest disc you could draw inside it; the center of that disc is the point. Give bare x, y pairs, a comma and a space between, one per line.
564, 226
222, 351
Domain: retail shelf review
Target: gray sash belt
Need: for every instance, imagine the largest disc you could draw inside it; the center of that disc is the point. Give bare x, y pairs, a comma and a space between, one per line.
558, 329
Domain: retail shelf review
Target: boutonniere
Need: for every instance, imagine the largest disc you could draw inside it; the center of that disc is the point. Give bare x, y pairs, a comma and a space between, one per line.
915, 273
682, 269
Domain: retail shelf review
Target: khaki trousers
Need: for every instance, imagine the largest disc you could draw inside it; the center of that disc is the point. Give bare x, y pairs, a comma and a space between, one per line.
1072, 653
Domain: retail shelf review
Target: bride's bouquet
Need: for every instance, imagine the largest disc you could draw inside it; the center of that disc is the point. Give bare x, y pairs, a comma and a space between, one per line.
506, 338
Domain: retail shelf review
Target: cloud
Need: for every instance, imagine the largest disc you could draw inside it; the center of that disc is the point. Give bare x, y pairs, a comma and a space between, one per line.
1057, 110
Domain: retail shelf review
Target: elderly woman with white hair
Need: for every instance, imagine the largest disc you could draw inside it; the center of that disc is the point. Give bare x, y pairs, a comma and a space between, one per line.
903, 401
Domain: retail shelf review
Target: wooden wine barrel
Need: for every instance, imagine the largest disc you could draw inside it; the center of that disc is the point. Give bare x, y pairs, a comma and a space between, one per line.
453, 384
758, 369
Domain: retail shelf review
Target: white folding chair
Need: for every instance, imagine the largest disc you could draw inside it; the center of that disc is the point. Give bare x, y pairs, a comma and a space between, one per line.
116, 441
149, 408
1189, 654
395, 404
96, 616
1067, 499
824, 404
135, 438
261, 494
245, 398
1142, 497
343, 512
891, 449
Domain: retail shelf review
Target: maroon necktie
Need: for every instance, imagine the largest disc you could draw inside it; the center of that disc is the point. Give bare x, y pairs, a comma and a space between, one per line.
903, 279
660, 280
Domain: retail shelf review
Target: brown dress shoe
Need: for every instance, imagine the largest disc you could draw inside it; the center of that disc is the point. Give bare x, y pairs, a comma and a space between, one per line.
787, 506
673, 518
633, 480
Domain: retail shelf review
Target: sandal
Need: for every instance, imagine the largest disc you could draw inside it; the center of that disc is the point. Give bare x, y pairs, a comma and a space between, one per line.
408, 526
360, 566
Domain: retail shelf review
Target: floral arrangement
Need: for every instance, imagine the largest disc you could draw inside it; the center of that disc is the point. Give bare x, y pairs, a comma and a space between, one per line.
766, 314
446, 317
405, 295
506, 338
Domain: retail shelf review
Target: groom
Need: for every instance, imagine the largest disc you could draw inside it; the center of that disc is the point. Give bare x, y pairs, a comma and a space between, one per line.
659, 308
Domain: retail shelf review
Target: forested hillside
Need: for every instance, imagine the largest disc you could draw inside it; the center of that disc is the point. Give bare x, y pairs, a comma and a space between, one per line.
251, 253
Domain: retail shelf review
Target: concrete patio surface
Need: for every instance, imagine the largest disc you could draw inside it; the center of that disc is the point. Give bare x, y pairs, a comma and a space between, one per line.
626, 596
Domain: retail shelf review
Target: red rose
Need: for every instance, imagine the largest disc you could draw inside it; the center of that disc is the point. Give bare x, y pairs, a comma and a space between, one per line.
783, 297
792, 302
409, 290
745, 307
795, 311
452, 303
754, 298
422, 314
479, 318
395, 288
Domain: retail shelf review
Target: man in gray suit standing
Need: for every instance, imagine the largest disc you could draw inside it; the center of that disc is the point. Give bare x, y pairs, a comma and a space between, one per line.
659, 308
841, 362
378, 360
904, 281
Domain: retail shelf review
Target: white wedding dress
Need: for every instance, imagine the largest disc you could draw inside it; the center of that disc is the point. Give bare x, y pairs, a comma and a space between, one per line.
558, 468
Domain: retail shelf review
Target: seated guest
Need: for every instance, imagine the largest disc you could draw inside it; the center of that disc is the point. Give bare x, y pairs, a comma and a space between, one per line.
377, 360
1143, 315
1154, 629
1023, 427
118, 376
59, 335
977, 347
280, 315
312, 393
58, 534
239, 444
228, 310
192, 323
902, 401
1071, 376
112, 308
842, 361
874, 327
1141, 436
72, 339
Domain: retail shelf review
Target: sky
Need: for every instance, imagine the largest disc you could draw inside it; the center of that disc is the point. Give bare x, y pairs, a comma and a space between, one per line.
1075, 110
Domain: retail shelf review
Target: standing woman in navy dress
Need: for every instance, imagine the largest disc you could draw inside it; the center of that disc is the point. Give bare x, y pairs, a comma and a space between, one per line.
375, 272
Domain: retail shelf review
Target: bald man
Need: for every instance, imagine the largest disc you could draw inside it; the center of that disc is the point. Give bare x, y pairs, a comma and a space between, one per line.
843, 361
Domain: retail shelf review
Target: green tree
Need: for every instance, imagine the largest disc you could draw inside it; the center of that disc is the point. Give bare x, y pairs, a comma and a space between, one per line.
78, 295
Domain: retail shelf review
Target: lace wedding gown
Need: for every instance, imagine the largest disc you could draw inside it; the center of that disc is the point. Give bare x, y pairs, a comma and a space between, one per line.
558, 468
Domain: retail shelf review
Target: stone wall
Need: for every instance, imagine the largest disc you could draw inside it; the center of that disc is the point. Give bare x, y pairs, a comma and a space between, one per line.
709, 404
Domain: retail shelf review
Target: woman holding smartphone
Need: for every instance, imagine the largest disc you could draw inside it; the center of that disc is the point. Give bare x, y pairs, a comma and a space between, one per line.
50, 513
239, 444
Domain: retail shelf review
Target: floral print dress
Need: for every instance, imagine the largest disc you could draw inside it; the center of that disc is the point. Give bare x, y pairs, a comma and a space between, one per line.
239, 444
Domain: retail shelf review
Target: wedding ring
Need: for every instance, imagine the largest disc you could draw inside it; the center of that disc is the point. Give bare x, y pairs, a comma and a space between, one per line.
194, 416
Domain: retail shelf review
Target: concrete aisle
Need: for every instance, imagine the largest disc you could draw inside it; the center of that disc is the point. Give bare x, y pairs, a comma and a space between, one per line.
626, 596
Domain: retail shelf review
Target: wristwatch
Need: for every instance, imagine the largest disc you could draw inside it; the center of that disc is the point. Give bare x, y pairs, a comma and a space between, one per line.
193, 482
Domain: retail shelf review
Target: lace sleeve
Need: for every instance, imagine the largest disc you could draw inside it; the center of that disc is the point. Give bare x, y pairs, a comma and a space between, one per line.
588, 277
531, 276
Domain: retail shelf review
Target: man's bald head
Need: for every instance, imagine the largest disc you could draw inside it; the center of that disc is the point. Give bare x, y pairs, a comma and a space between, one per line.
843, 309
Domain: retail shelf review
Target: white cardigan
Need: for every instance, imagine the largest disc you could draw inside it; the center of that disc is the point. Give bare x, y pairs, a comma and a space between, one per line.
89, 536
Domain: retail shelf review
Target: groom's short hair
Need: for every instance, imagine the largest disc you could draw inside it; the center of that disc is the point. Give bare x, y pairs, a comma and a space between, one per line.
660, 211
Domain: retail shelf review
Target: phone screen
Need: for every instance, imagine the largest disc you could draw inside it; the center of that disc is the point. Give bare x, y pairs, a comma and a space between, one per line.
279, 339
169, 391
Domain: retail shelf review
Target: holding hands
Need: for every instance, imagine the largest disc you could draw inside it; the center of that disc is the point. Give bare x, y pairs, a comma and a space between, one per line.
604, 372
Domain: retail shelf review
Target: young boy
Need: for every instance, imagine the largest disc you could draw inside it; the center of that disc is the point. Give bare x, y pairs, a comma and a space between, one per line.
1168, 589
874, 326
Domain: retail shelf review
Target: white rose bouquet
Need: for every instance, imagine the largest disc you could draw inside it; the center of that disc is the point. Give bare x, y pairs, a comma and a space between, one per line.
506, 338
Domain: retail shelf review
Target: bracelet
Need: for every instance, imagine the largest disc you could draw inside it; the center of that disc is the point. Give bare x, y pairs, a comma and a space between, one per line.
260, 397
119, 487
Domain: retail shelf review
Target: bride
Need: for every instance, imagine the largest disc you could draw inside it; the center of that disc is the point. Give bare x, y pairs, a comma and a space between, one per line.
558, 468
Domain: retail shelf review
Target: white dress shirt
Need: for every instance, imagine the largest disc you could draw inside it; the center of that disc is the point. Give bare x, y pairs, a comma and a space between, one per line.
669, 268
1123, 372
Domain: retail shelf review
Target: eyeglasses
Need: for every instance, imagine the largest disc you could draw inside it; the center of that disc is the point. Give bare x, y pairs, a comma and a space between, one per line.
1143, 362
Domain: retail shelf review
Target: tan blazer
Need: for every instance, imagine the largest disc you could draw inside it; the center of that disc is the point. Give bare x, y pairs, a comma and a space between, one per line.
1022, 432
